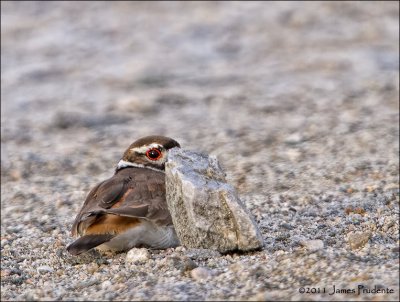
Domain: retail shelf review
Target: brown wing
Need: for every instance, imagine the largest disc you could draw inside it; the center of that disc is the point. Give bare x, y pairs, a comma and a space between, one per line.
117, 202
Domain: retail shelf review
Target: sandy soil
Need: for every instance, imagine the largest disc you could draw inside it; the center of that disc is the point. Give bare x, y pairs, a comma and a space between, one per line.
299, 101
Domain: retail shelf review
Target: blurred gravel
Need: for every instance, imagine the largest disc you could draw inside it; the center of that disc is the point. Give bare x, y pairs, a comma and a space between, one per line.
299, 101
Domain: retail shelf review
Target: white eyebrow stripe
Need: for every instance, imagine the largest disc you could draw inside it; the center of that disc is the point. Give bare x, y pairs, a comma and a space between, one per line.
123, 164
144, 148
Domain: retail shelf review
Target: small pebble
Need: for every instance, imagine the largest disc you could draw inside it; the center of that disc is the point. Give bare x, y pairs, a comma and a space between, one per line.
137, 255
181, 263
358, 239
202, 254
293, 139
287, 226
180, 249
44, 269
106, 285
313, 245
200, 273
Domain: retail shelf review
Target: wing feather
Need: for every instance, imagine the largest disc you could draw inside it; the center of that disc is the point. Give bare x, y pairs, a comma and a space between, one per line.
129, 193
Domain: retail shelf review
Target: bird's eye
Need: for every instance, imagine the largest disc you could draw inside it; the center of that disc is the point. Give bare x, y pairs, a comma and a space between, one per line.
153, 154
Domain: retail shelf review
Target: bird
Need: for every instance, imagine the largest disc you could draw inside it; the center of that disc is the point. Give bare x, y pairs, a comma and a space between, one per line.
129, 209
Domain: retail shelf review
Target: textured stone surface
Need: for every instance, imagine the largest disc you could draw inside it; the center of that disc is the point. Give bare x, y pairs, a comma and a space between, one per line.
206, 211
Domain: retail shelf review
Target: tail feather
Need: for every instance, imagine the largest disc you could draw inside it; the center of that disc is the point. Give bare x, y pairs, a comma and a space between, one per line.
87, 242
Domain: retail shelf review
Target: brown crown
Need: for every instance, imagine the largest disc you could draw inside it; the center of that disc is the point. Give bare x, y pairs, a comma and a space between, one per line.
166, 142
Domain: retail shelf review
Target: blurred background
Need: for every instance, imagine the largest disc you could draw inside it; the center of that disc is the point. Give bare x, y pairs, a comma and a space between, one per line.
299, 101
244, 80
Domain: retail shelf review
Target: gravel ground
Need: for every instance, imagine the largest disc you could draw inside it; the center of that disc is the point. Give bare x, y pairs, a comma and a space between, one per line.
299, 101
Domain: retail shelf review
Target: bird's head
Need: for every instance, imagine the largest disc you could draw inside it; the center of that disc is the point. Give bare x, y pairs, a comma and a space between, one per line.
150, 152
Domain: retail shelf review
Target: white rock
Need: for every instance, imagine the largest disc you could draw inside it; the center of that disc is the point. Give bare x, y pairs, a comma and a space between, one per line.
106, 285
44, 269
137, 255
200, 273
313, 245
206, 211
294, 138
180, 249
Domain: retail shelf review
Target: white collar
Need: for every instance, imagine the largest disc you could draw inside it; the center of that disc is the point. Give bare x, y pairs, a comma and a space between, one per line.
123, 164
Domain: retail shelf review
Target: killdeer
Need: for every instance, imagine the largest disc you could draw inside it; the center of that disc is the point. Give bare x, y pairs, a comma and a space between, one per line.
129, 209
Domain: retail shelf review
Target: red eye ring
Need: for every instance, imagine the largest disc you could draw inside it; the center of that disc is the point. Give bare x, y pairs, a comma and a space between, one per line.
153, 154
